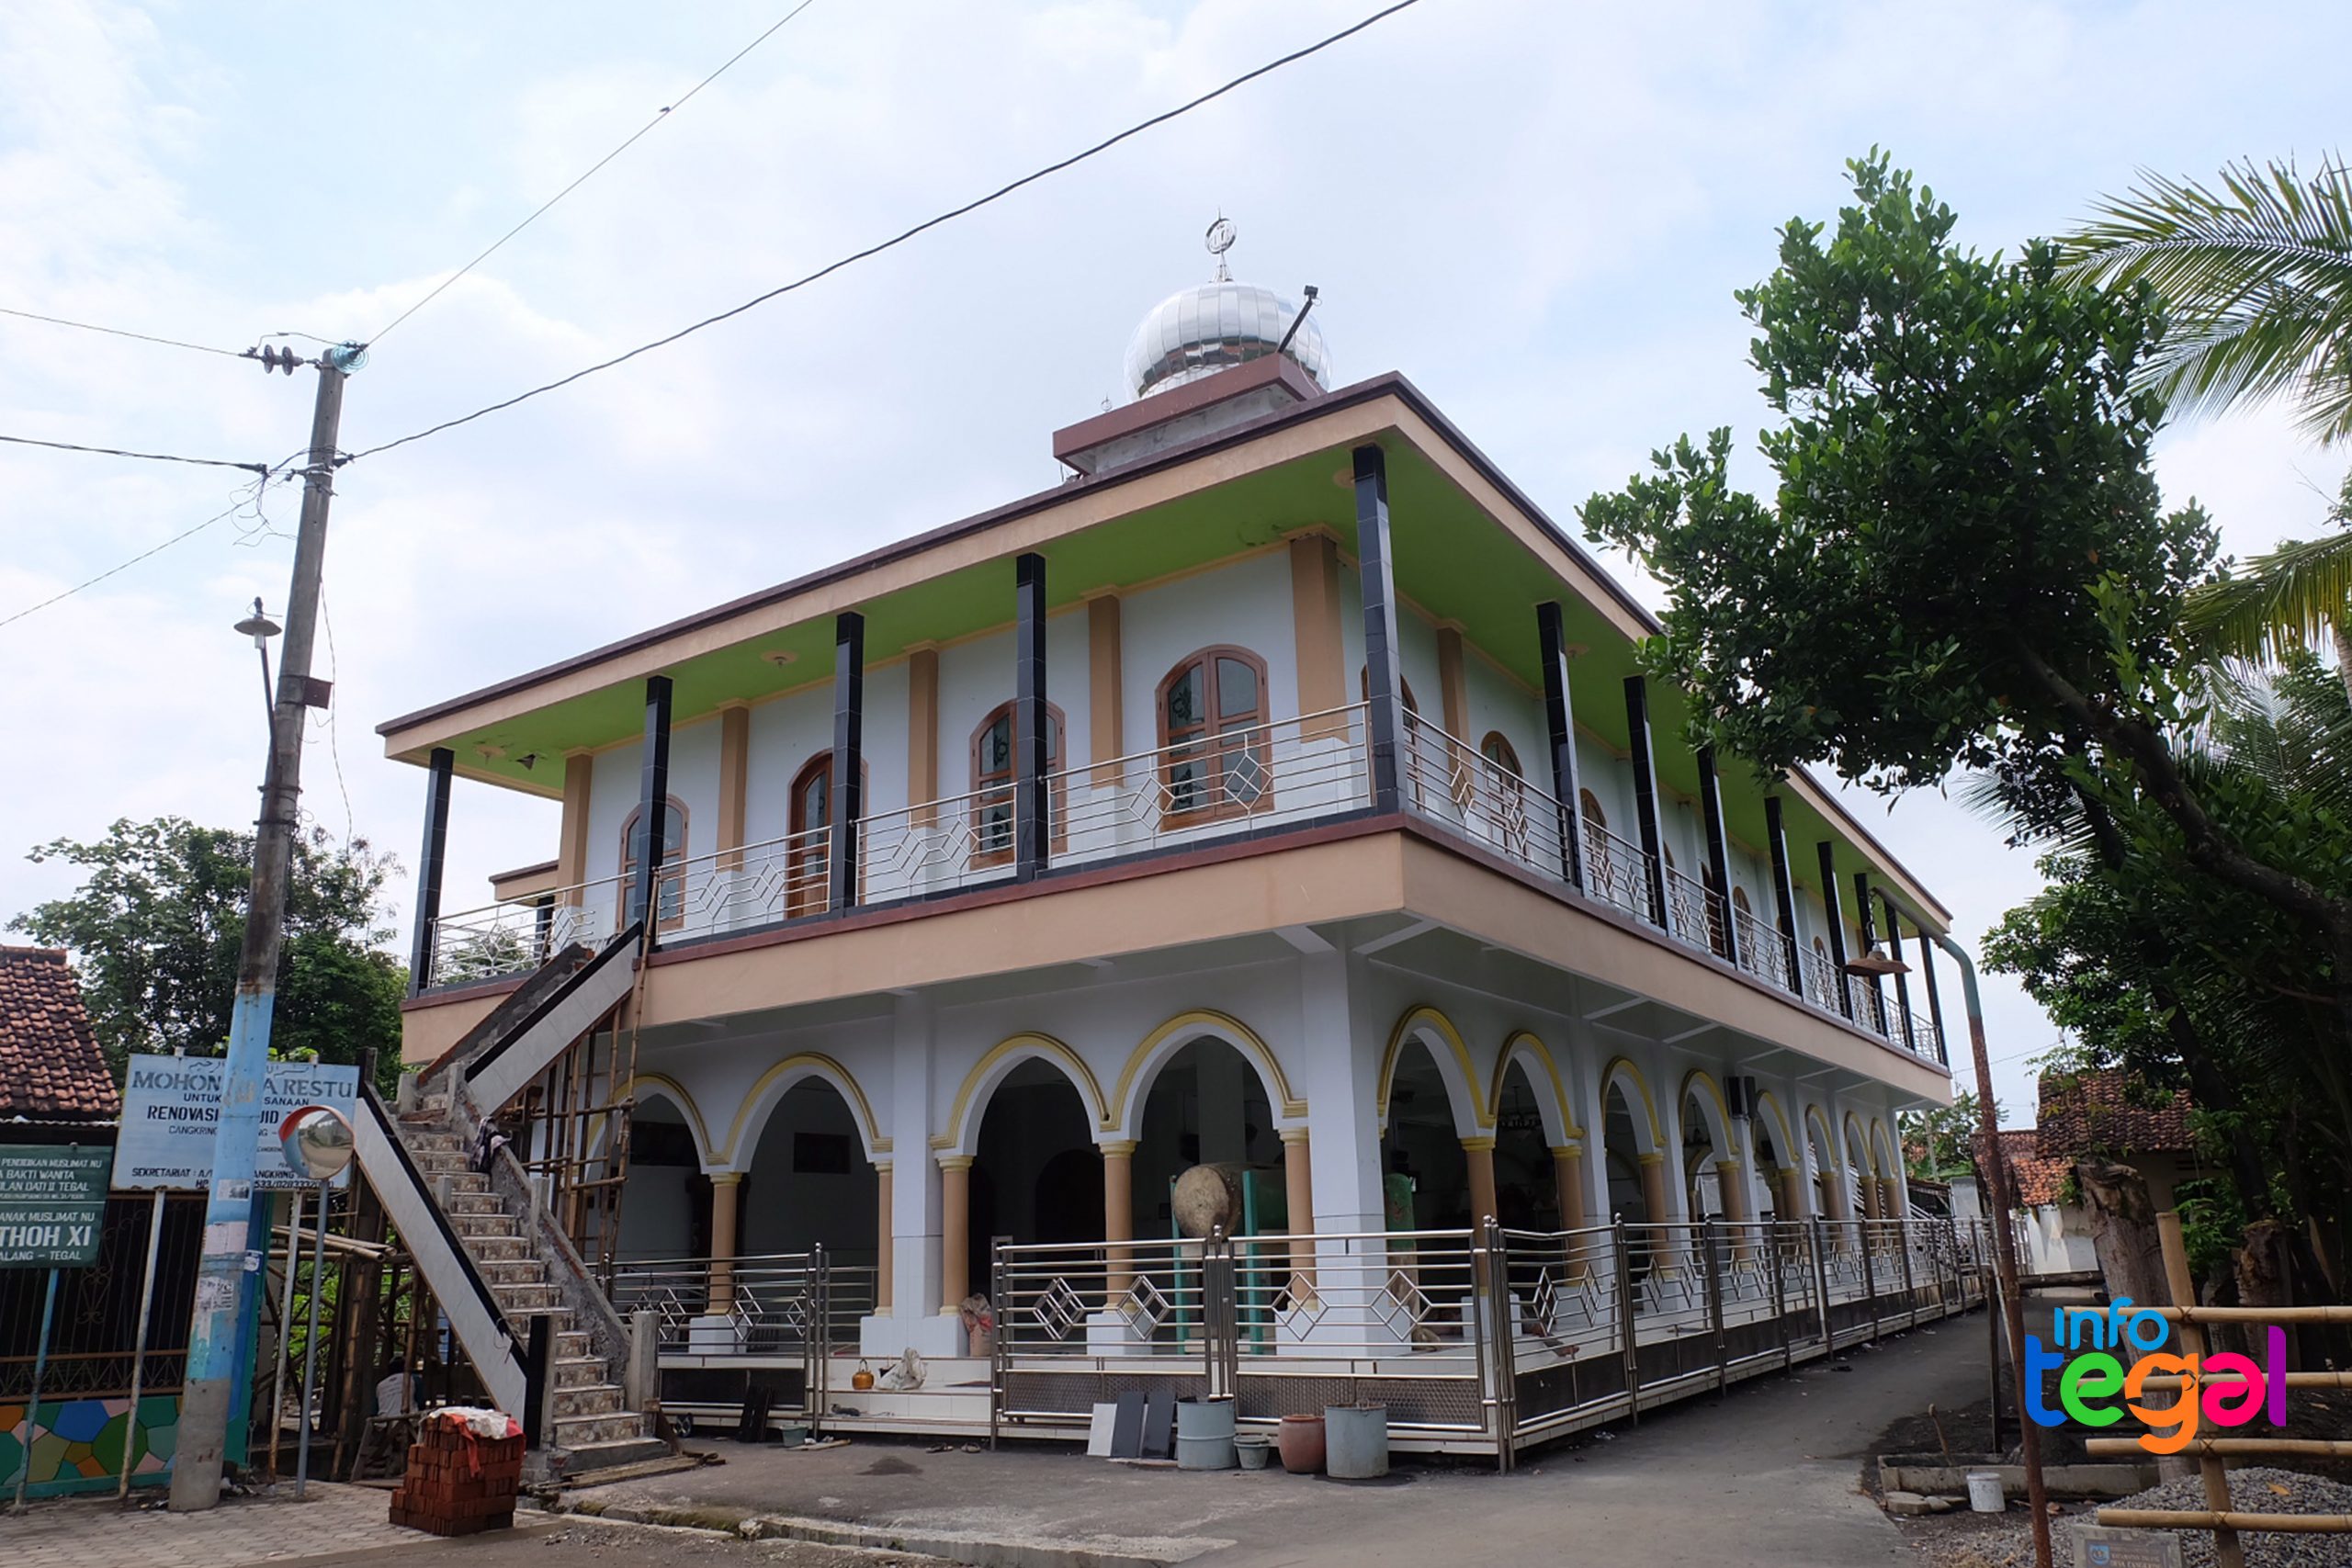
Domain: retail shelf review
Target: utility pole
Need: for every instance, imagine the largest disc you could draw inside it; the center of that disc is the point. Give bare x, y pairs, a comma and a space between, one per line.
223, 1283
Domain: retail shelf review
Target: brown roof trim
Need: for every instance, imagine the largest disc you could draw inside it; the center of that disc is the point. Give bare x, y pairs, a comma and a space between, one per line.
1389, 383
1266, 370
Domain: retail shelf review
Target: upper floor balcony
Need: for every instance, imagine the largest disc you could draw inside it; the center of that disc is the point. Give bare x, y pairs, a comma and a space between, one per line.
1252, 782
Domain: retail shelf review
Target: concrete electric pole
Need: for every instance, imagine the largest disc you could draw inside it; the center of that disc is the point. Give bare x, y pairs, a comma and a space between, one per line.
223, 1285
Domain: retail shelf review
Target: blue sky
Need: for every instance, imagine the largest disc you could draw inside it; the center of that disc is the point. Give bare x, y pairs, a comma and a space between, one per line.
1537, 211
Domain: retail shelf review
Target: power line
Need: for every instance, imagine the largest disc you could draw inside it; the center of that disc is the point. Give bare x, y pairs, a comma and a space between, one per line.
233, 508
146, 457
117, 332
662, 114
949, 216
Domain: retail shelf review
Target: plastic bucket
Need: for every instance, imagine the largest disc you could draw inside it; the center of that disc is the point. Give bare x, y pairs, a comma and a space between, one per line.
1355, 1441
1204, 1434
1253, 1448
1984, 1493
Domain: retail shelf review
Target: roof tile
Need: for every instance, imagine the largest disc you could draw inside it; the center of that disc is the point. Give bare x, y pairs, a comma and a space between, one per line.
51, 1065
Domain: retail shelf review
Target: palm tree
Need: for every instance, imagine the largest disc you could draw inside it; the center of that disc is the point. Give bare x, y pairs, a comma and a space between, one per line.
2259, 275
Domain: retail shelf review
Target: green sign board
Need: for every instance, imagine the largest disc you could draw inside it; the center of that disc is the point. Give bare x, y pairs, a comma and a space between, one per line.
52, 1204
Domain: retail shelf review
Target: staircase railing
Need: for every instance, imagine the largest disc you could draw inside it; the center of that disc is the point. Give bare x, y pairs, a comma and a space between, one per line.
465, 1296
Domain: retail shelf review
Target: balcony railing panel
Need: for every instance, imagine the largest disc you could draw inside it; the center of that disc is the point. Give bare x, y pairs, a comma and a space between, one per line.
513, 939
1488, 802
1763, 952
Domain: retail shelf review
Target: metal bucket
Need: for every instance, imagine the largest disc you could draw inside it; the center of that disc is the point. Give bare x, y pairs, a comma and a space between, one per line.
1984, 1493
1204, 1434
1355, 1440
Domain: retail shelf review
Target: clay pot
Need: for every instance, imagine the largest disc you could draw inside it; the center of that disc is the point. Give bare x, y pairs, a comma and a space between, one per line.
1299, 1439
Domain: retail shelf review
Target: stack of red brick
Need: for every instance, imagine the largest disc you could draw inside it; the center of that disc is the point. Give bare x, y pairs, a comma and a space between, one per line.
456, 1482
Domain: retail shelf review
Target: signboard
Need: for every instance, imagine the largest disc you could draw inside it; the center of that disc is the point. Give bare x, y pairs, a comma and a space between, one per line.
2099, 1547
171, 1103
53, 1203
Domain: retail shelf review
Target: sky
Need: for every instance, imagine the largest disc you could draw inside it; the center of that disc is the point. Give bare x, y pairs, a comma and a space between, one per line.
1537, 211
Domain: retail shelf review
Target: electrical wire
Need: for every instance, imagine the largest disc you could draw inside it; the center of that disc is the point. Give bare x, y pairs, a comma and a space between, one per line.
949, 216
664, 114
117, 332
234, 507
144, 457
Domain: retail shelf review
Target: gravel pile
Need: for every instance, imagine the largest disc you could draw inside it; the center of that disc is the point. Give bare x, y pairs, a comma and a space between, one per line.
2253, 1491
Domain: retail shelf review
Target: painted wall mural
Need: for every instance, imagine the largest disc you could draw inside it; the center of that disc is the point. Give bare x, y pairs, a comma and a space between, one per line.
77, 1444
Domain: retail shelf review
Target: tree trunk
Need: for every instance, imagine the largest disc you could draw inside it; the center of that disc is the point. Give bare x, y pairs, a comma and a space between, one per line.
2265, 1267
2131, 1256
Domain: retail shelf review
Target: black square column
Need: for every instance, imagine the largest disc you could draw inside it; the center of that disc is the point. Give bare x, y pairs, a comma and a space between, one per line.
1637, 731
1711, 804
1870, 939
648, 840
1784, 889
1384, 706
1032, 832
849, 749
1560, 720
429, 861
1828, 853
1895, 946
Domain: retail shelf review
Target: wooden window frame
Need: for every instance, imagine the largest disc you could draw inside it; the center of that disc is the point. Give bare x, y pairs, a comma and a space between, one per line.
802, 897
665, 877
1208, 741
986, 796
1509, 781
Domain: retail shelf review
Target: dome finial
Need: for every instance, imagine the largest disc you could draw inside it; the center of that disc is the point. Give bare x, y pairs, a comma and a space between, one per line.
1219, 240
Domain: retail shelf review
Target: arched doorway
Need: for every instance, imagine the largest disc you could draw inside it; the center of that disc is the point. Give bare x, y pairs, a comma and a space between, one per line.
810, 1183
1426, 1176
1827, 1196
665, 1202
1769, 1159
1207, 1106
1527, 1188
1703, 1144
1036, 1176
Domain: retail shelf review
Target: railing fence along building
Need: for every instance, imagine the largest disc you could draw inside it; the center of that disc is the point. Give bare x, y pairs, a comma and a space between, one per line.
1249, 781
1484, 1341
794, 1313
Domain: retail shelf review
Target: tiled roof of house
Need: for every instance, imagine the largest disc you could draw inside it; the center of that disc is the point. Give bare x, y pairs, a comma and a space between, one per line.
2091, 1112
51, 1066
2034, 1179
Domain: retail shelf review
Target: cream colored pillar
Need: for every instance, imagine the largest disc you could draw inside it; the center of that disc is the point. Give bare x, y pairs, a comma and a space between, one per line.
1730, 1180
1794, 1207
1890, 1196
955, 1232
1118, 1218
1870, 1197
882, 1270
1568, 1173
725, 1191
1653, 1168
1298, 1200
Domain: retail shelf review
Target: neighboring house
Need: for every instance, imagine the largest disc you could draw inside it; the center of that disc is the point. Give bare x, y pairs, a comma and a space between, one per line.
1280, 789
56, 1087
2053, 1229
2090, 1115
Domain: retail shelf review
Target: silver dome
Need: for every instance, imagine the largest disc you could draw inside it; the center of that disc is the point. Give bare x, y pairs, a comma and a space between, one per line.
1198, 332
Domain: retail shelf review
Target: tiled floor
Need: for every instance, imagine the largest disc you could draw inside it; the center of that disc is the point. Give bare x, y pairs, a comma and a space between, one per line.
97, 1533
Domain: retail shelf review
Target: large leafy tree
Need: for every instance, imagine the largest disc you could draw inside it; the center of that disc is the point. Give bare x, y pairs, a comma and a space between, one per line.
158, 922
1966, 562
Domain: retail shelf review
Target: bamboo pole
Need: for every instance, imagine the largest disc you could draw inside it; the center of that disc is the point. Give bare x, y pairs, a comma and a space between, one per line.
2227, 1552
2197, 1315
2317, 1448
2237, 1380
2169, 1518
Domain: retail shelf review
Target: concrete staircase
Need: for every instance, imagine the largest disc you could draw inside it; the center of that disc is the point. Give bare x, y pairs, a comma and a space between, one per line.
590, 1424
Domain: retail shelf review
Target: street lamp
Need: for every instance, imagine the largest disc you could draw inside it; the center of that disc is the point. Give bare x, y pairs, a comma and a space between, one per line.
1873, 963
261, 629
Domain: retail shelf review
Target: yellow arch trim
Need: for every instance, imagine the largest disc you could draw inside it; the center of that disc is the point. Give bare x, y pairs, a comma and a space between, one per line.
1082, 1077
1649, 1105
1785, 1142
1862, 1135
1815, 1116
675, 1094
1234, 1033
1882, 1145
1415, 1015
1535, 1048
818, 1065
1723, 1107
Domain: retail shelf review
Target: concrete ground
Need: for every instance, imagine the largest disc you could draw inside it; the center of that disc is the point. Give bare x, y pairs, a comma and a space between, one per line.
1768, 1478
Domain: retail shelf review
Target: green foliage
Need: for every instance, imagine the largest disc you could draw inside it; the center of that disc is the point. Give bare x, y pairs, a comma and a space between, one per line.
1939, 1143
1964, 500
2277, 602
2260, 275
159, 919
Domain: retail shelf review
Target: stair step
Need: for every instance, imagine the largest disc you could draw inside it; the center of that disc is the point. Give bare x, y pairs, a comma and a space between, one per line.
588, 1399
589, 1457
580, 1431
498, 1249
527, 1298
505, 1271
577, 1372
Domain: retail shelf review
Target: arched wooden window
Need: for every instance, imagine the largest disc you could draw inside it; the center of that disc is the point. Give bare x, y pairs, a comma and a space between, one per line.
810, 849
1604, 873
1215, 760
1739, 902
1505, 788
670, 886
992, 783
